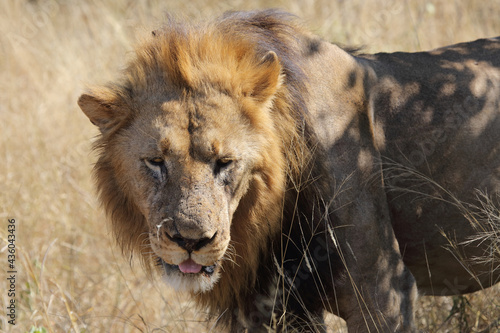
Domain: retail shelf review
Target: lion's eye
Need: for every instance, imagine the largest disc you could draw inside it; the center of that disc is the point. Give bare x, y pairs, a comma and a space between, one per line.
157, 165
222, 163
156, 161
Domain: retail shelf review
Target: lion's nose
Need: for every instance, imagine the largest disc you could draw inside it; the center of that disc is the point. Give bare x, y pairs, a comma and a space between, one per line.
191, 245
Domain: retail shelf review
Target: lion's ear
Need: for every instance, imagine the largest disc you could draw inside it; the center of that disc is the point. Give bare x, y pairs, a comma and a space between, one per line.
103, 112
267, 78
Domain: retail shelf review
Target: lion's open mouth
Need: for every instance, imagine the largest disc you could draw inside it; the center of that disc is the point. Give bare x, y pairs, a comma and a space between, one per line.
188, 267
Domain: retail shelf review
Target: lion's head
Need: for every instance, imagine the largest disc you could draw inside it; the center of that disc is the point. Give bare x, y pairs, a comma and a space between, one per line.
192, 158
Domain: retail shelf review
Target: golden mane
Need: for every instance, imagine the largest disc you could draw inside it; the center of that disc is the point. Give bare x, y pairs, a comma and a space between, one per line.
227, 54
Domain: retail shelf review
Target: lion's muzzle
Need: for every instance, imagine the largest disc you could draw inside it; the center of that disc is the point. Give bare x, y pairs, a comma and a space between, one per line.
191, 242
189, 252
190, 227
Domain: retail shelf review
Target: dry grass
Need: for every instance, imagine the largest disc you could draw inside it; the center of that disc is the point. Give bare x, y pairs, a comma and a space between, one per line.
70, 276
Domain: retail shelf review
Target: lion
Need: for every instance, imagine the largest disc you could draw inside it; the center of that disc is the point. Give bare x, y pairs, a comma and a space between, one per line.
275, 176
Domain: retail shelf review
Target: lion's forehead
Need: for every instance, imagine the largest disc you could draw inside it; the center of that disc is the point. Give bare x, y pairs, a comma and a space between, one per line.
208, 127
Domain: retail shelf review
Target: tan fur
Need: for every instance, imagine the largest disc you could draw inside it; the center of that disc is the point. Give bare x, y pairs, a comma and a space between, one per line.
250, 145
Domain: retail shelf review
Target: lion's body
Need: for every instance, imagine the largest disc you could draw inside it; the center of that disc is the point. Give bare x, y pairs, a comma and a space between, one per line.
435, 118
275, 175
447, 127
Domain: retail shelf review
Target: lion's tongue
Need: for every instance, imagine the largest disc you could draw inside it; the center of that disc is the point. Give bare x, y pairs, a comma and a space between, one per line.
189, 266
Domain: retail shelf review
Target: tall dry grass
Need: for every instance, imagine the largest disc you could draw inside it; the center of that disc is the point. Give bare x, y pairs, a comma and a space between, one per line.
70, 276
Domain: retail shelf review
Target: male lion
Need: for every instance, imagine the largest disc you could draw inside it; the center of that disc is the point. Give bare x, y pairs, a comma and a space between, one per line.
275, 175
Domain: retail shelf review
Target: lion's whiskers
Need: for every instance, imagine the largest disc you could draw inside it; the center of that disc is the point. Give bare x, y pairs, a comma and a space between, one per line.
230, 255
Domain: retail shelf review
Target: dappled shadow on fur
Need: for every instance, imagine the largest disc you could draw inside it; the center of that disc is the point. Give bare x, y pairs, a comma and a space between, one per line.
482, 213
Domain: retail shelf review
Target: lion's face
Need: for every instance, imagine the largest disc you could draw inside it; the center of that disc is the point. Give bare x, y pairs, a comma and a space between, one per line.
191, 161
